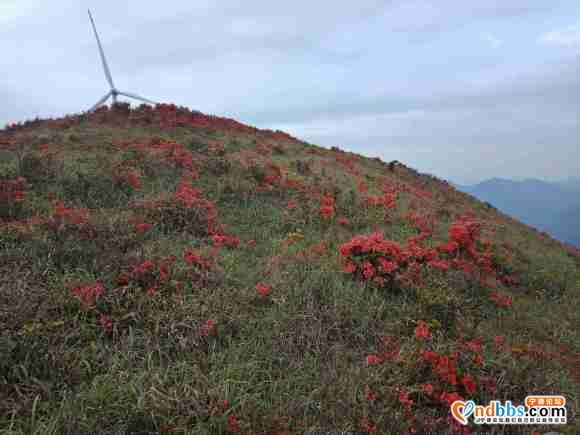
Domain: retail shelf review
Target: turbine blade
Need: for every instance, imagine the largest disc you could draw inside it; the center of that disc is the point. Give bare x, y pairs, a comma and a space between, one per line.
103, 59
137, 97
100, 102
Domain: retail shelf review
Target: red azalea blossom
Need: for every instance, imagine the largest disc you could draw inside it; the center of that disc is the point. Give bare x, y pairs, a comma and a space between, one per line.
143, 227
251, 244
473, 345
122, 280
327, 201
319, 249
208, 328
478, 360
499, 341
106, 323
152, 291
233, 424
192, 257
394, 349
404, 398
225, 240
343, 221
428, 389
164, 270
368, 270
263, 289
429, 356
89, 293
387, 266
501, 299
147, 265
373, 360
349, 267
439, 264
422, 330
367, 426
369, 395
326, 212
469, 383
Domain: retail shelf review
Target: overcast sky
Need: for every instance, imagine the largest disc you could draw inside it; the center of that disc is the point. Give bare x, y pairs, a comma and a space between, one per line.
465, 90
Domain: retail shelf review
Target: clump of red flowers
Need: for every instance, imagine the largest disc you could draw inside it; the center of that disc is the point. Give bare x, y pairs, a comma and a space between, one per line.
422, 330
263, 289
130, 177
12, 190
374, 258
208, 328
142, 227
75, 216
500, 299
12, 195
327, 210
88, 294
226, 240
369, 395
233, 424
106, 323
367, 426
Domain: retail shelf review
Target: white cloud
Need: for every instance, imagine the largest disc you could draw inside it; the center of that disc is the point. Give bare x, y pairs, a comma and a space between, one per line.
11, 10
567, 37
492, 40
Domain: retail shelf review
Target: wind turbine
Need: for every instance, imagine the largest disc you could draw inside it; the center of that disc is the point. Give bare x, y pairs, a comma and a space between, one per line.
114, 92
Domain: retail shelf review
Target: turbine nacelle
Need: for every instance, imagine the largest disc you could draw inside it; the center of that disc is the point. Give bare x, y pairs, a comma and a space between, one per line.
114, 92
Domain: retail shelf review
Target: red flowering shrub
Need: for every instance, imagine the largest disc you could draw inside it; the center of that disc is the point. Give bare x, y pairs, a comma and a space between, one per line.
12, 195
387, 200
89, 294
422, 330
263, 289
226, 240
130, 177
383, 261
187, 210
501, 299
142, 227
369, 395
233, 424
194, 258
327, 210
106, 323
62, 215
208, 328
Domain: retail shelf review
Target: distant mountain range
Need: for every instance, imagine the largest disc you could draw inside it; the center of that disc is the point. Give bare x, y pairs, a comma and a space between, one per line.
553, 207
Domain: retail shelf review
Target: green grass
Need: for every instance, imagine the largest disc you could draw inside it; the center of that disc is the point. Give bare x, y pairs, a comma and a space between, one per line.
292, 361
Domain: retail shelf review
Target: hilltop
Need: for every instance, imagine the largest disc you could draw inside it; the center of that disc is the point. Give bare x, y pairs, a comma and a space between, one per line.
166, 271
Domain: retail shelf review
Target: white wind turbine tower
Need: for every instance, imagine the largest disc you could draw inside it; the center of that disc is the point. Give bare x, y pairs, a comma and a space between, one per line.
113, 92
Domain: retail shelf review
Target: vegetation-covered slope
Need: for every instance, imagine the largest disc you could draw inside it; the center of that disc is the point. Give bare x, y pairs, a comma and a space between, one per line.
163, 271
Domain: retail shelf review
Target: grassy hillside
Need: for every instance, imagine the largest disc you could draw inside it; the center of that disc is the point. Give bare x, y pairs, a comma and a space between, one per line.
163, 271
